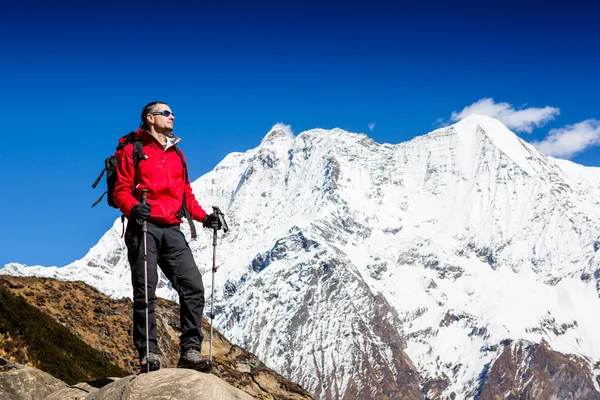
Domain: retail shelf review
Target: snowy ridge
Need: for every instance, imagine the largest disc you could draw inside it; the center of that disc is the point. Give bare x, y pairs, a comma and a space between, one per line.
350, 262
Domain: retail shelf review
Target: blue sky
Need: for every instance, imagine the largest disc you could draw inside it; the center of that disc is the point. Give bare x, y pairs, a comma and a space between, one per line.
75, 75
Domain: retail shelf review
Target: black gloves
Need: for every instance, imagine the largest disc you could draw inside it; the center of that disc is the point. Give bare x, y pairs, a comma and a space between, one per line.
212, 221
141, 212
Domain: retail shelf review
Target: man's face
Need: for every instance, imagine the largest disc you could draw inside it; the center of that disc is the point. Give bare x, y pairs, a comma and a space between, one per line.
162, 123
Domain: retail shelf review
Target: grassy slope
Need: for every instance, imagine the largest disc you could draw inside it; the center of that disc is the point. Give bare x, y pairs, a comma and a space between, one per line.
50, 346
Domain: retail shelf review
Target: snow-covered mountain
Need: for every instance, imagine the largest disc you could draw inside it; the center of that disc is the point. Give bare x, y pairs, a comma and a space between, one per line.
363, 270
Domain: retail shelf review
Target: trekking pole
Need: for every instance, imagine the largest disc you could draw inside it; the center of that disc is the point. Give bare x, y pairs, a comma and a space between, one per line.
145, 231
221, 216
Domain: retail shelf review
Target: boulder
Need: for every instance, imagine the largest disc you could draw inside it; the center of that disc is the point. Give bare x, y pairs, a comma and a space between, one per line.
171, 383
79, 391
20, 382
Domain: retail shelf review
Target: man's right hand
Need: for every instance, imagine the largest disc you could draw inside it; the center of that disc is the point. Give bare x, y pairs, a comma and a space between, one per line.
141, 212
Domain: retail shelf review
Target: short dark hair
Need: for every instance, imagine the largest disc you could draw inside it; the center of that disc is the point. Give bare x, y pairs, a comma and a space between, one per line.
149, 108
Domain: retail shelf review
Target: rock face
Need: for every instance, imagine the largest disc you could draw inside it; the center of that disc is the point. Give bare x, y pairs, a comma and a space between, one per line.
534, 371
169, 383
19, 382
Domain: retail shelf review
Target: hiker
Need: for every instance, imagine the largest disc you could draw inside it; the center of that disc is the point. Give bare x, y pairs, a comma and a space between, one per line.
162, 175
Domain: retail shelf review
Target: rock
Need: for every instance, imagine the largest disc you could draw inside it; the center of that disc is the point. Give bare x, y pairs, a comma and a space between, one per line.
172, 383
79, 391
533, 371
19, 382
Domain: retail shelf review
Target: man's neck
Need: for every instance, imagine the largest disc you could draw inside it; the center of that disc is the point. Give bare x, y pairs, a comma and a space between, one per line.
161, 137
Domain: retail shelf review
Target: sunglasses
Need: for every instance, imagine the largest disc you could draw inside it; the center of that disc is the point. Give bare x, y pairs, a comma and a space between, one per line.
164, 113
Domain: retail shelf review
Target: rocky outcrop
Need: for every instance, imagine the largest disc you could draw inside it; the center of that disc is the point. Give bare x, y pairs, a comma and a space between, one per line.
180, 384
19, 382
105, 325
534, 371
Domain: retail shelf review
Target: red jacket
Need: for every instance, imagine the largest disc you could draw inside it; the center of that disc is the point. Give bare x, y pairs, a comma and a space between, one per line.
161, 173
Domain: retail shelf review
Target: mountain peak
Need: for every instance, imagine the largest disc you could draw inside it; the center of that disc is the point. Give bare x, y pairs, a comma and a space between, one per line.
486, 123
279, 130
501, 137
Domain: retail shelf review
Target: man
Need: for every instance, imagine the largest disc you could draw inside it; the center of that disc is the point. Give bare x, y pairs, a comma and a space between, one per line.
162, 173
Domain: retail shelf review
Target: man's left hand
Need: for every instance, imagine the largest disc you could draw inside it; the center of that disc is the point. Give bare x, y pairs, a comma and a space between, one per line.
211, 221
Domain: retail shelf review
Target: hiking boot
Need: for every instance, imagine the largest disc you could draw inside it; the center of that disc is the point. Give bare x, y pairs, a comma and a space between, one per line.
152, 363
192, 359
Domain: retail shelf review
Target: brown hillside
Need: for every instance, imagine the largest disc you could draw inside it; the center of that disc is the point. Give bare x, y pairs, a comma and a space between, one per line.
105, 325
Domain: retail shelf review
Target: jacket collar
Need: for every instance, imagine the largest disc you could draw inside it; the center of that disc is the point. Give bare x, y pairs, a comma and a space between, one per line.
146, 137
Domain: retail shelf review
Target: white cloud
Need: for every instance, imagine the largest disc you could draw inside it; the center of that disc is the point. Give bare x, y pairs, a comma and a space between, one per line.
523, 120
372, 126
567, 141
287, 129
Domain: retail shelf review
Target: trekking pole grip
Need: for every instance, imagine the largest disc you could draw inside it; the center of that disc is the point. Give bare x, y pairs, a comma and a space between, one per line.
143, 201
221, 216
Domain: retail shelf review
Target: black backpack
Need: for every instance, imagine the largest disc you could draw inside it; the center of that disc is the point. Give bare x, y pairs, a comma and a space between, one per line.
110, 167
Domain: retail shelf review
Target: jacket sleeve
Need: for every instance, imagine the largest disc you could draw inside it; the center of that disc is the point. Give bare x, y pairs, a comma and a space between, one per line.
193, 207
191, 203
123, 193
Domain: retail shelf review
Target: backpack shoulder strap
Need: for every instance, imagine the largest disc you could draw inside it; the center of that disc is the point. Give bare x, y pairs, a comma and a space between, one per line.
186, 176
138, 147
138, 153
186, 179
